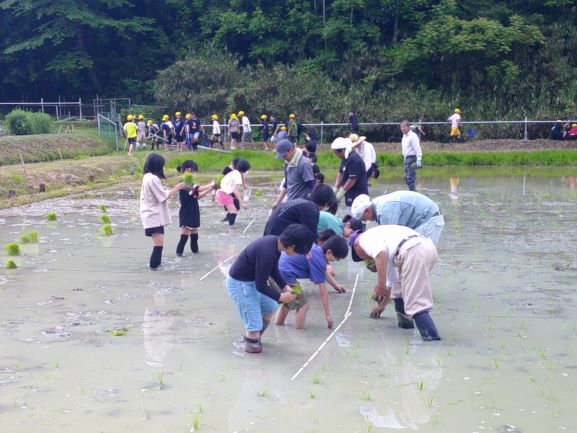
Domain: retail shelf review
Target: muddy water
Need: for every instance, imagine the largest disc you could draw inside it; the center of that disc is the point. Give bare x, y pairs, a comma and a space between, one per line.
505, 293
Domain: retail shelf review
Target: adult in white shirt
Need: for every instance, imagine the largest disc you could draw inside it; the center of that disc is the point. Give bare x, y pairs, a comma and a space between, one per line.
455, 120
246, 130
412, 154
400, 251
367, 152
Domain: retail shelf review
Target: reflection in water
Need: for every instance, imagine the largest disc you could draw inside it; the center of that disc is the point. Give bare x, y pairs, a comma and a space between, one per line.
158, 328
454, 184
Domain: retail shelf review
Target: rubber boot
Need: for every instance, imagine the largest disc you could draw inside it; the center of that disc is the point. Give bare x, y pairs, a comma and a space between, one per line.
181, 245
231, 219
194, 243
403, 321
426, 326
155, 258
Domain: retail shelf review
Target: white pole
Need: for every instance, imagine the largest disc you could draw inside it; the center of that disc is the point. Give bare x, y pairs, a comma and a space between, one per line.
216, 267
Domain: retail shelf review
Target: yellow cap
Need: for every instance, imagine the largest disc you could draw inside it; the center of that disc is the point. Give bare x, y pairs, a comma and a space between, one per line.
214, 116
263, 116
457, 110
149, 122
283, 128
233, 116
241, 113
187, 116
129, 117
292, 116
140, 117
574, 125
165, 117
178, 113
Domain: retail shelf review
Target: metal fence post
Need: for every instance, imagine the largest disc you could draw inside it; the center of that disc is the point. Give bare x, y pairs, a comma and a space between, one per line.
322, 142
525, 134
80, 107
42, 104
98, 123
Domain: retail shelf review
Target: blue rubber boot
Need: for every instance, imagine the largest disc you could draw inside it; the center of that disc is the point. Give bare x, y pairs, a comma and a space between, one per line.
426, 326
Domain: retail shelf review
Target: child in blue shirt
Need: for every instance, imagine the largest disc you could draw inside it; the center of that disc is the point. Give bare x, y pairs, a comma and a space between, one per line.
314, 267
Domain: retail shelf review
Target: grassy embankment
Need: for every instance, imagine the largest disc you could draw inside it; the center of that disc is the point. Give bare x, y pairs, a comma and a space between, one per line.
80, 161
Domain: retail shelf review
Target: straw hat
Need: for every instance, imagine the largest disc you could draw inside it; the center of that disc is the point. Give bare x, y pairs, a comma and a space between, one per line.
355, 139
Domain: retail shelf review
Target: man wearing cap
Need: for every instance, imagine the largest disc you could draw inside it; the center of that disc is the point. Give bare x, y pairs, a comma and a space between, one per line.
406, 208
455, 120
400, 251
412, 154
351, 180
367, 152
299, 179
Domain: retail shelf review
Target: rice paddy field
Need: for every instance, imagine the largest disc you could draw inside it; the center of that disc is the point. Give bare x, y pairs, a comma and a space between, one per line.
91, 340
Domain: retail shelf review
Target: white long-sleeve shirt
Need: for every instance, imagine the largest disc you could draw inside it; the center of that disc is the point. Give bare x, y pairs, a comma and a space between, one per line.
153, 202
215, 127
411, 145
367, 152
246, 124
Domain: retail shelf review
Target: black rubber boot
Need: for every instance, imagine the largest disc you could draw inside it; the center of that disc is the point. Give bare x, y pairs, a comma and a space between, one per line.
231, 219
225, 219
426, 326
194, 243
155, 258
403, 321
181, 245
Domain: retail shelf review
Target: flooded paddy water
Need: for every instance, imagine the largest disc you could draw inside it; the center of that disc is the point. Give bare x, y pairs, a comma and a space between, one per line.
92, 341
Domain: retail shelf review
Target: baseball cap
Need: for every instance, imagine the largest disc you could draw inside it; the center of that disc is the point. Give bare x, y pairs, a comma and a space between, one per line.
352, 240
282, 147
360, 203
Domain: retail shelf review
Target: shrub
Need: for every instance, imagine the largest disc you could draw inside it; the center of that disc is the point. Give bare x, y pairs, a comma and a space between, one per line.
20, 122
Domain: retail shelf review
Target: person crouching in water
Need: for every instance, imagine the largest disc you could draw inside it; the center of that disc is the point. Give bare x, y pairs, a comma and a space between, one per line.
247, 281
230, 189
154, 205
189, 213
314, 267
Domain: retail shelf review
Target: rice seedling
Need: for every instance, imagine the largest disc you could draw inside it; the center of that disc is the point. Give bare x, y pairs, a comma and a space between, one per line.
200, 409
496, 363
51, 216
104, 219
196, 423
118, 332
316, 380
366, 395
106, 230
188, 179
429, 401
262, 393
12, 249
160, 378
10, 264
532, 379
420, 385
312, 395
258, 193
103, 208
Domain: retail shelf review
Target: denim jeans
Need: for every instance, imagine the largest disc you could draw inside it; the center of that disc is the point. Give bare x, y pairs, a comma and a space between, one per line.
250, 303
410, 172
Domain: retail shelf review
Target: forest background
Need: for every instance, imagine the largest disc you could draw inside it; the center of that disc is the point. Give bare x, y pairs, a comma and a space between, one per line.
385, 59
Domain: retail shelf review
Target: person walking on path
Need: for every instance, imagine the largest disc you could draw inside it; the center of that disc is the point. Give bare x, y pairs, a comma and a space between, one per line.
247, 281
405, 208
299, 179
141, 136
196, 130
412, 154
216, 137
153, 130
246, 131
293, 129
234, 131
455, 120
131, 132
179, 131
264, 132
154, 205
400, 250
354, 122
351, 180
166, 128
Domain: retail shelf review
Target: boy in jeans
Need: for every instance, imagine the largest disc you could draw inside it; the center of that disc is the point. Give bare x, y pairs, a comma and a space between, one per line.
247, 282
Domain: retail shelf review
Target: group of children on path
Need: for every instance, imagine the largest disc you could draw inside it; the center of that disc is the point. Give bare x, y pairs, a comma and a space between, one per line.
301, 240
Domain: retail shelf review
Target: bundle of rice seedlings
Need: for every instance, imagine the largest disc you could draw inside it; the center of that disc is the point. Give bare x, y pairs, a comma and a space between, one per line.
51, 216
10, 264
106, 230
188, 178
29, 238
104, 219
13, 249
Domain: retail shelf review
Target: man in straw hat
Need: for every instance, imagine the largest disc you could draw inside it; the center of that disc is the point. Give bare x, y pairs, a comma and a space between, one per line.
367, 152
